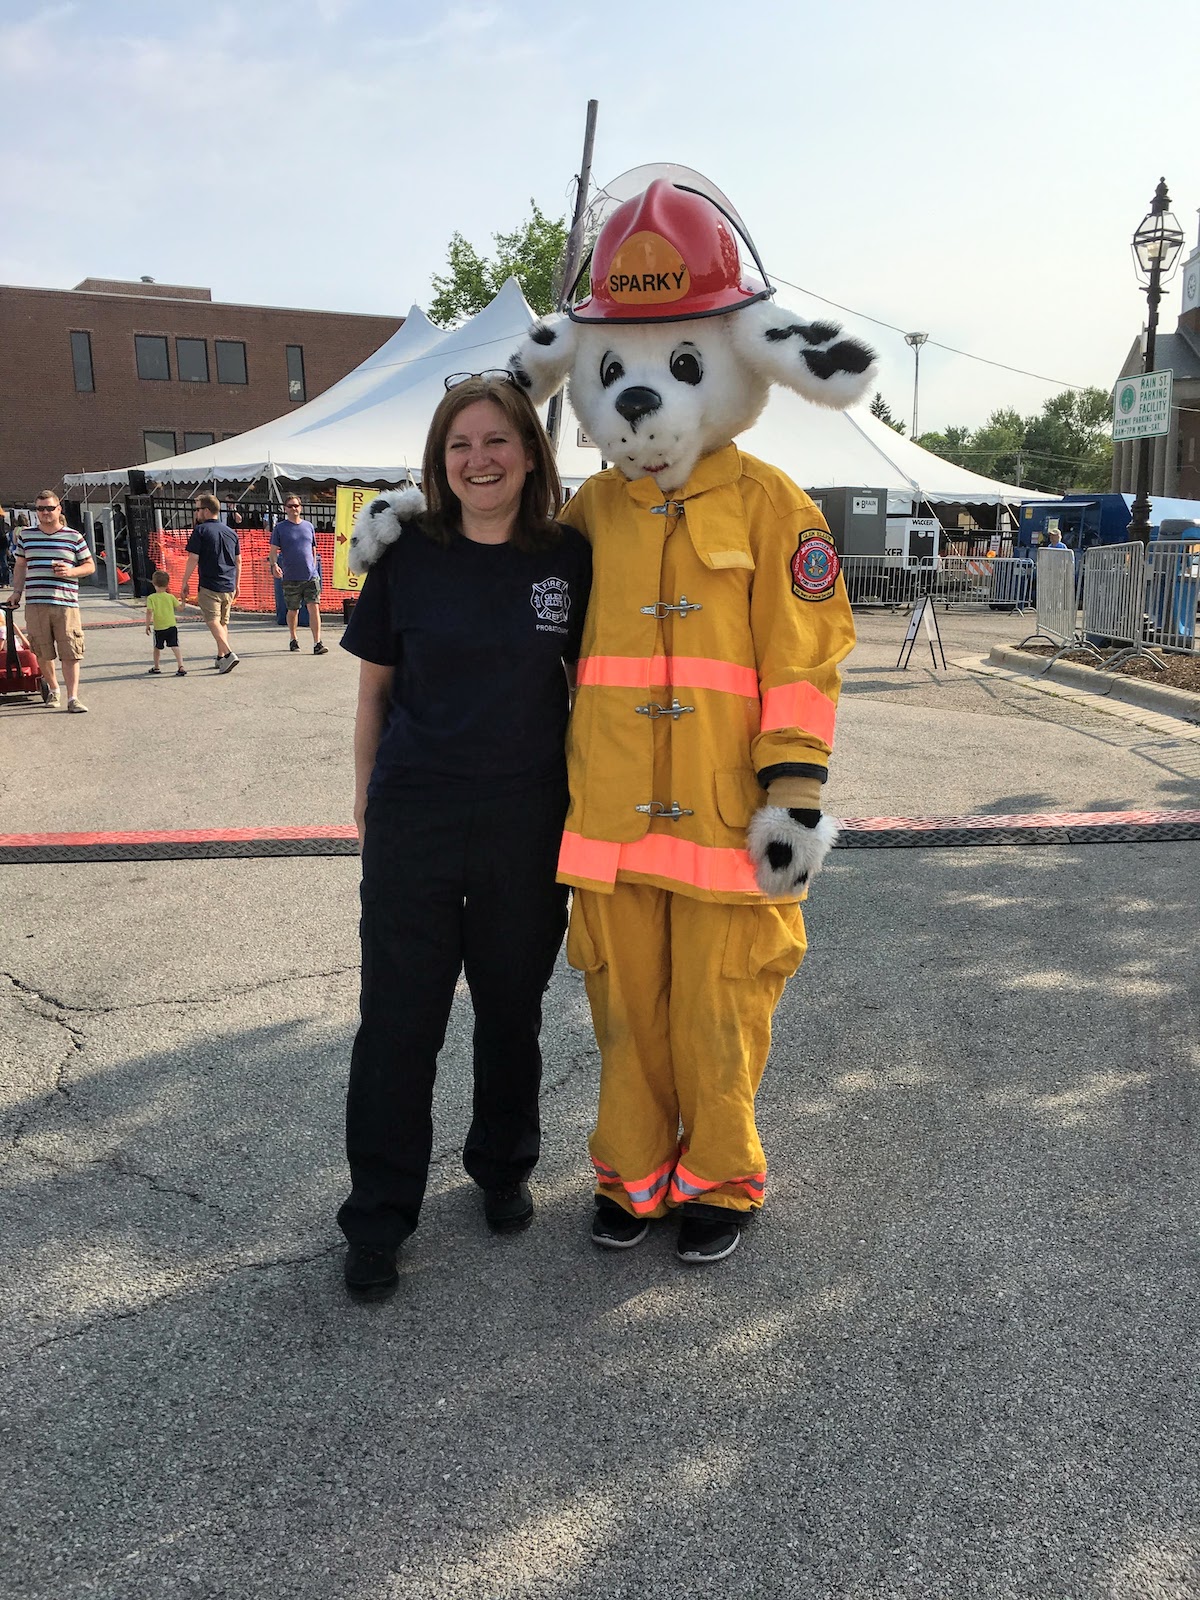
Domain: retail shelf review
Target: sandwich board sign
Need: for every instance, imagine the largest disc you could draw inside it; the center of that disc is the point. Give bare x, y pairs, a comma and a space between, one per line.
1142, 406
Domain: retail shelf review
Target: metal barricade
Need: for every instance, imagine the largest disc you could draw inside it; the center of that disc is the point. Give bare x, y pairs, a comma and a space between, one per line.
1001, 583
1114, 590
1172, 594
1056, 608
884, 581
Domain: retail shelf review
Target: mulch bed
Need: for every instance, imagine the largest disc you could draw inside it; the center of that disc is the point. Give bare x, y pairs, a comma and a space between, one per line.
1182, 672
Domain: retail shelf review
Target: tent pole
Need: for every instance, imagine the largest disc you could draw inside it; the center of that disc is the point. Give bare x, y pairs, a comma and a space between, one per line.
574, 251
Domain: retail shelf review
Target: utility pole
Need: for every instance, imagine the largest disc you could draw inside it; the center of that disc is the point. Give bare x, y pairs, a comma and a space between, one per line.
574, 252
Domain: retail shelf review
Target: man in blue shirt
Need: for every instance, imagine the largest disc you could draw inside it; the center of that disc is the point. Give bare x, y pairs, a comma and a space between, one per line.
214, 548
292, 557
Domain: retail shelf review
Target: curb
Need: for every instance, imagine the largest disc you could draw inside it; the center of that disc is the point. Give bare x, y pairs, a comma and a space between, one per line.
857, 833
1105, 685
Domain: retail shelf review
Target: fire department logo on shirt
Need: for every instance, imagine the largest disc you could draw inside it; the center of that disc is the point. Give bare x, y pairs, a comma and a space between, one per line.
551, 600
815, 566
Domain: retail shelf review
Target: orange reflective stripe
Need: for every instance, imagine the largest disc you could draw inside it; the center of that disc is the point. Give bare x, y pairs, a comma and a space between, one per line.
644, 1194
667, 672
621, 672
686, 1185
799, 705
700, 672
659, 855
596, 859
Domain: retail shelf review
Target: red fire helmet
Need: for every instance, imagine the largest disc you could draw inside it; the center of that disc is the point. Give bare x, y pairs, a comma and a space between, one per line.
664, 256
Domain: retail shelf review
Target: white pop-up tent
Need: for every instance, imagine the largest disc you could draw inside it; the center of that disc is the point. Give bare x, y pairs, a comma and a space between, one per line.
370, 428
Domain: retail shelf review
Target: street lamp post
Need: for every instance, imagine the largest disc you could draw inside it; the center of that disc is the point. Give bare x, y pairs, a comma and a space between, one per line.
1156, 247
916, 340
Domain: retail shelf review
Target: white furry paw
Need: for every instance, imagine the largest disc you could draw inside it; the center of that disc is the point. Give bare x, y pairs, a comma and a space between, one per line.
543, 361
784, 853
380, 523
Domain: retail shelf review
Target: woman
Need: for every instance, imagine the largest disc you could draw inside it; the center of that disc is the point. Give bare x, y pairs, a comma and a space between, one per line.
462, 628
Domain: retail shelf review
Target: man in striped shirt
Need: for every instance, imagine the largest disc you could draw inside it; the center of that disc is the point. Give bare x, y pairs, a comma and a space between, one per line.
48, 562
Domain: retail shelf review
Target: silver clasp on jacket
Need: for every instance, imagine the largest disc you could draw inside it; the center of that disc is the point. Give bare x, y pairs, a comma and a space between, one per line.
653, 710
657, 809
660, 608
669, 508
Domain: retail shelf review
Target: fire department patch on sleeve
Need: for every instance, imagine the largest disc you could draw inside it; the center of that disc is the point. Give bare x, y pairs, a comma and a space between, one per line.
815, 566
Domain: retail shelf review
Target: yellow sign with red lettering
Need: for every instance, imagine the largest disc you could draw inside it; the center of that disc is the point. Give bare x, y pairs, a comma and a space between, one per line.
350, 500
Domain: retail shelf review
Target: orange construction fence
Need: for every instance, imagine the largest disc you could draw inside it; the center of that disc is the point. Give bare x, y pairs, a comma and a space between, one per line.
256, 592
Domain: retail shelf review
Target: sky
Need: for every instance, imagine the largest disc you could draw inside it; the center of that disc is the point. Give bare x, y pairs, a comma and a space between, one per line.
971, 172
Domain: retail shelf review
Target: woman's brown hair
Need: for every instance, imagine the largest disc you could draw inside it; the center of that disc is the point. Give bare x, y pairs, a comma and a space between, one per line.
542, 493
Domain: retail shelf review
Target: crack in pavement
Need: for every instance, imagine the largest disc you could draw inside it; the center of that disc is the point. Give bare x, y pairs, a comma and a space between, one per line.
217, 1272
121, 1169
37, 1005
173, 1000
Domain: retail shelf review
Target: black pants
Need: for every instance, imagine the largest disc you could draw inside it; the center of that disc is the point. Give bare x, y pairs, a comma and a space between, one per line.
449, 885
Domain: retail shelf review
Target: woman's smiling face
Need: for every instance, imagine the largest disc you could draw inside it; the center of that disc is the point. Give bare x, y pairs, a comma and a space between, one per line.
486, 464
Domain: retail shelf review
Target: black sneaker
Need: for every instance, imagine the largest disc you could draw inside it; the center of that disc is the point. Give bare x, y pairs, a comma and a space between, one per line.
614, 1228
707, 1233
370, 1271
508, 1210
295, 645
319, 649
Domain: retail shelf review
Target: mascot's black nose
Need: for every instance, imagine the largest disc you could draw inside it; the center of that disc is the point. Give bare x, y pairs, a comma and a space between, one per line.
635, 403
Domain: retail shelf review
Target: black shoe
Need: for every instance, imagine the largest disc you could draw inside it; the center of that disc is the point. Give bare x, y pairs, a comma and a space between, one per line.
707, 1233
295, 645
371, 1271
614, 1228
508, 1210
319, 649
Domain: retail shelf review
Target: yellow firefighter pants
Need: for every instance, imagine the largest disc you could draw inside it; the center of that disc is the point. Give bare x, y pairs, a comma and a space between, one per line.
682, 992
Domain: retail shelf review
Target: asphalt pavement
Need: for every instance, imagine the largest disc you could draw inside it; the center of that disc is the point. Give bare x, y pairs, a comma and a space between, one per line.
956, 1355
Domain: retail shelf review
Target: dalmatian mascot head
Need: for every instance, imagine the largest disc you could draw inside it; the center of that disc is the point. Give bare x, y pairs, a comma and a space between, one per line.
674, 351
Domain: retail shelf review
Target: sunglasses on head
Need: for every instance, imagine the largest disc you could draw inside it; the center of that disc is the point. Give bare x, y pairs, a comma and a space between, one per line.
489, 375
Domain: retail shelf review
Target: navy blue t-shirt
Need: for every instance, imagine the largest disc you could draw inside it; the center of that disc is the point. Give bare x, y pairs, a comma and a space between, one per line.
478, 634
217, 547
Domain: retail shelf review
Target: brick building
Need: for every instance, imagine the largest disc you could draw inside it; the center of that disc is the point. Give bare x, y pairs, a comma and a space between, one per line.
112, 374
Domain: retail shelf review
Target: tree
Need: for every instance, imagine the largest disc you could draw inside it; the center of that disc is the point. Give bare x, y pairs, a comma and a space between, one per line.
881, 409
995, 449
530, 254
1066, 447
953, 444
1070, 444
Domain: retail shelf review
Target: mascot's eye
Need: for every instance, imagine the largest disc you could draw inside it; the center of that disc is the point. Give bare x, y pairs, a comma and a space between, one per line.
611, 370
685, 364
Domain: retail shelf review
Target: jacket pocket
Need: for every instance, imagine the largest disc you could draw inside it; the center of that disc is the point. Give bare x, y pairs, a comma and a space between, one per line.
738, 797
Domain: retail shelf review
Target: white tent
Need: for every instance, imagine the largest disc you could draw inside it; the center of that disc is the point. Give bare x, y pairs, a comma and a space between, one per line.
371, 427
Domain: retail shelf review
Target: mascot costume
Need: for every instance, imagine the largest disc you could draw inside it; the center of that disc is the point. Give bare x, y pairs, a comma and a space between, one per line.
704, 716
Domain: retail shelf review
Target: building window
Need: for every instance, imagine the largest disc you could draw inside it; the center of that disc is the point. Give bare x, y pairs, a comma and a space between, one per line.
152, 361
81, 360
155, 446
231, 360
295, 371
198, 441
191, 360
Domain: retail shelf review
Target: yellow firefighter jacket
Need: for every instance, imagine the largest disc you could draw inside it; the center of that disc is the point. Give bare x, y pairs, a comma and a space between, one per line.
708, 671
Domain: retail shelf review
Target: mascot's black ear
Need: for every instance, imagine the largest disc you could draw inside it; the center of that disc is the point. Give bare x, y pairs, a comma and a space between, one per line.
543, 361
814, 358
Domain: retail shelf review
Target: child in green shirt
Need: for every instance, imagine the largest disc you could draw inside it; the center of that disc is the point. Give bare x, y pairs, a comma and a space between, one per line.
160, 616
